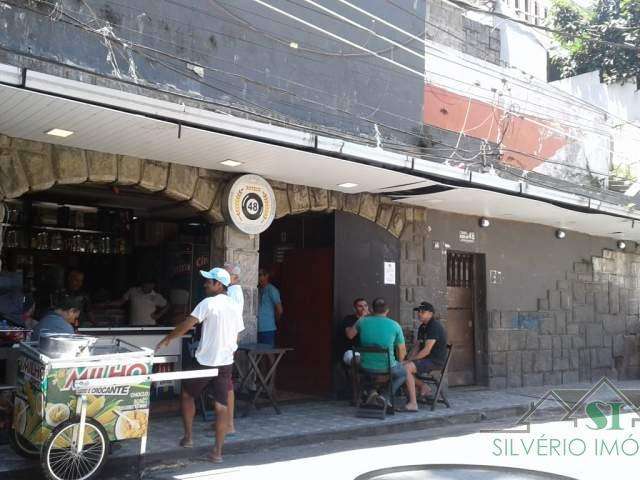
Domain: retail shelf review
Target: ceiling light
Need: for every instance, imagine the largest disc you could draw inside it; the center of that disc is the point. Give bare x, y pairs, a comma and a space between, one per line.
484, 222
560, 234
293, 45
621, 245
348, 185
230, 163
59, 132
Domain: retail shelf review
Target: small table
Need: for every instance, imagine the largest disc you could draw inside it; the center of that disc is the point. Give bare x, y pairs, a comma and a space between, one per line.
255, 353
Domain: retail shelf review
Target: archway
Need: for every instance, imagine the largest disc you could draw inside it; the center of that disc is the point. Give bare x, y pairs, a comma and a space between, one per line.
321, 262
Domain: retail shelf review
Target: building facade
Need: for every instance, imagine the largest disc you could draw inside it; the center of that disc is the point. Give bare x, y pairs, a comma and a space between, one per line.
387, 131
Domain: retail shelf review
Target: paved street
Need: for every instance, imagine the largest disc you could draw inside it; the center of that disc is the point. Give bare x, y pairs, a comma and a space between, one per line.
462, 444
326, 437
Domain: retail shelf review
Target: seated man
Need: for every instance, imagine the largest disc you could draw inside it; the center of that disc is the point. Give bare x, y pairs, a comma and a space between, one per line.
346, 347
378, 329
430, 349
62, 319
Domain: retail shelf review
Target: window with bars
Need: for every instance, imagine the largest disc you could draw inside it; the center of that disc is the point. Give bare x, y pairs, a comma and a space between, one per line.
459, 270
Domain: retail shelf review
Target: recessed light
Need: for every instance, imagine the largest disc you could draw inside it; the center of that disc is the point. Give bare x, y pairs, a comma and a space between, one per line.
560, 234
348, 185
230, 163
484, 222
59, 132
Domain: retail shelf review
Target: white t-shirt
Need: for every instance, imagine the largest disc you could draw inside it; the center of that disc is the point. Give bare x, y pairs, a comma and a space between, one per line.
220, 318
143, 305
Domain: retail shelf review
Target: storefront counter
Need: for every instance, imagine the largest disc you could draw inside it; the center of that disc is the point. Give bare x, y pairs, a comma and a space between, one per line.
148, 337
141, 336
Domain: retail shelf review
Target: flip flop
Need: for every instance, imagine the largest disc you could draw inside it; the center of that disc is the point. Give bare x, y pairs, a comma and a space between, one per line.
185, 444
406, 410
212, 459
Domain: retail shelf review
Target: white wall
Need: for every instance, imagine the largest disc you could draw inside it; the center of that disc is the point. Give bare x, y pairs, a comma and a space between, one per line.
623, 102
521, 47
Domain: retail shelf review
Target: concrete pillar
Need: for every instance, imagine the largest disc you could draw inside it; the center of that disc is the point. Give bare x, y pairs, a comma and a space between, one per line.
230, 245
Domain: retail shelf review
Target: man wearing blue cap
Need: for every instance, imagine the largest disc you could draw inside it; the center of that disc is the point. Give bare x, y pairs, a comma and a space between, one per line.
220, 318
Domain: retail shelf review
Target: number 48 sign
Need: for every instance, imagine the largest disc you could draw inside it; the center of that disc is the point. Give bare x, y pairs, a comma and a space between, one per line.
250, 204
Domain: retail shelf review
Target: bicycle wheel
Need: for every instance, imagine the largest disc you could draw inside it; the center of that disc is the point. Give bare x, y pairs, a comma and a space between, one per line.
60, 458
22, 446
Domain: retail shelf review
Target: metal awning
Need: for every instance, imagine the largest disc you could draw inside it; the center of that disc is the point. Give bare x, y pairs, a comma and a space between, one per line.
108, 120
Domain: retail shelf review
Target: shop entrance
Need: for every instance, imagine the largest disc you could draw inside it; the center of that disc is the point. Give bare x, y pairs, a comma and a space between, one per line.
298, 252
321, 263
465, 293
94, 243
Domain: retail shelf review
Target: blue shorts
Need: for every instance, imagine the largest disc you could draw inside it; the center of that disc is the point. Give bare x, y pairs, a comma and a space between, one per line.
267, 338
426, 365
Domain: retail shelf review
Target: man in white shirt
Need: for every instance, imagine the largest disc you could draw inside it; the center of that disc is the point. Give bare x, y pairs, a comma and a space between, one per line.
146, 305
220, 318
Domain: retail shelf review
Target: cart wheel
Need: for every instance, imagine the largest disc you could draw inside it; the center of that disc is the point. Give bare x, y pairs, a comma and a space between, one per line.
59, 459
22, 446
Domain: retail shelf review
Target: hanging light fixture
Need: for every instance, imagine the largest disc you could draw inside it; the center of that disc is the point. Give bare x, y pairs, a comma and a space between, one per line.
621, 245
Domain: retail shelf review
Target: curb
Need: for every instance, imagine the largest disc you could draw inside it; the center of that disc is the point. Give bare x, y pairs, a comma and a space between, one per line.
126, 464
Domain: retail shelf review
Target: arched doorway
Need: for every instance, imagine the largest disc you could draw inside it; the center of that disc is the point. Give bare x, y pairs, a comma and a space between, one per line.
321, 262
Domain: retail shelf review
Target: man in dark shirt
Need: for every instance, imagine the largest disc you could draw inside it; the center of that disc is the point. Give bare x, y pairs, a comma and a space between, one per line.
430, 349
360, 309
344, 350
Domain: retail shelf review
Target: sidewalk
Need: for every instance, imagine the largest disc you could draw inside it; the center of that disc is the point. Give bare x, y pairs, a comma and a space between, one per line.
314, 422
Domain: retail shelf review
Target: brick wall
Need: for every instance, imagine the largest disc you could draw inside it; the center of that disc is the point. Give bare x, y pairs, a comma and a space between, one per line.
588, 326
447, 25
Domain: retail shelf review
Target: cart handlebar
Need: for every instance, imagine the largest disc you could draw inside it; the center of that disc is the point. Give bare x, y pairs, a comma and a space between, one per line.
96, 385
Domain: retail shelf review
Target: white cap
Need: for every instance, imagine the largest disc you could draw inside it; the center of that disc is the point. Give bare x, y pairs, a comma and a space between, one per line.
232, 268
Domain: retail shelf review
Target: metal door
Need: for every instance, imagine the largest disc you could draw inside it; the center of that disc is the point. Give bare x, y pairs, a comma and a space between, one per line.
460, 317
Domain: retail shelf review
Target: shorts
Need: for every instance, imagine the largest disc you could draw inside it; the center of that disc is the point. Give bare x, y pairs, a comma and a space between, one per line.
219, 386
267, 338
426, 365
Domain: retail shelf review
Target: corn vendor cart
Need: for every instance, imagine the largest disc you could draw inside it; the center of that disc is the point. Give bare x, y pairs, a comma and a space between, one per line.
68, 411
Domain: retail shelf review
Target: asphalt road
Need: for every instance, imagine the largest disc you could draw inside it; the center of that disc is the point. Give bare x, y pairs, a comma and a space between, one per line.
552, 447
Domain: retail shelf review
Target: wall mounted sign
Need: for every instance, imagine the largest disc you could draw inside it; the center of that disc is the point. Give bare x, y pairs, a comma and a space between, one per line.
495, 277
389, 273
250, 204
467, 237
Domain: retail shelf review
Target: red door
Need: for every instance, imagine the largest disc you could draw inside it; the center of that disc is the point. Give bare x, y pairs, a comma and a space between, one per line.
306, 288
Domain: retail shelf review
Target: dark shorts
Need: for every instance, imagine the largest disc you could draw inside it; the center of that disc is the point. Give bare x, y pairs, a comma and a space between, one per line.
426, 365
268, 338
219, 386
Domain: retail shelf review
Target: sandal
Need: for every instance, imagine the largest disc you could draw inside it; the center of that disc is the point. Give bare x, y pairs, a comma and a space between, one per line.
186, 443
213, 458
406, 410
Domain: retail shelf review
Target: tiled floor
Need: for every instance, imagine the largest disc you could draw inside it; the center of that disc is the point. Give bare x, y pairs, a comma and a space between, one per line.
322, 417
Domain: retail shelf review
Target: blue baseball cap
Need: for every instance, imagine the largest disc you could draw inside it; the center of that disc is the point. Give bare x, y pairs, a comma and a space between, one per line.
219, 274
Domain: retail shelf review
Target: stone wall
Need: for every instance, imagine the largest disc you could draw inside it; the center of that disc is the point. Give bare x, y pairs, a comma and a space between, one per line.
28, 166
588, 326
447, 25
230, 245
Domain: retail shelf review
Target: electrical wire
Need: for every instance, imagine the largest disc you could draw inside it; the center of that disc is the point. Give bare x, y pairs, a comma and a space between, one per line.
411, 146
277, 88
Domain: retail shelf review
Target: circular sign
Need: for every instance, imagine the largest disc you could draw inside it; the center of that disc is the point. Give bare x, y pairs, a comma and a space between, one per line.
250, 204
